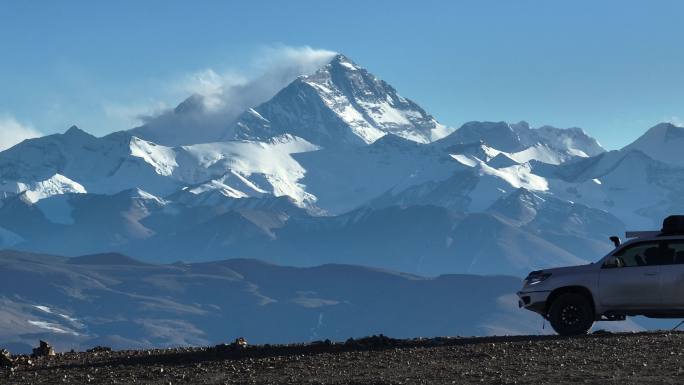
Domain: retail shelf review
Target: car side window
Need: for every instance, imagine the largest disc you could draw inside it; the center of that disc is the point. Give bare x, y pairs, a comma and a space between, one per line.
678, 247
649, 254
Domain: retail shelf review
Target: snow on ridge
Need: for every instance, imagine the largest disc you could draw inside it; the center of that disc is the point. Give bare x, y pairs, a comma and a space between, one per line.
53, 327
257, 167
43, 308
232, 185
542, 153
138, 193
35, 191
519, 176
465, 160
516, 175
348, 65
162, 158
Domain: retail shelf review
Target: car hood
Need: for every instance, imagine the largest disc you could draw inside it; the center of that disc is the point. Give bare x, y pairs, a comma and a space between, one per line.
569, 269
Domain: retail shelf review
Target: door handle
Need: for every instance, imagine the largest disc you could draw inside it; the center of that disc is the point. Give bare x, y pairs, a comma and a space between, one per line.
650, 274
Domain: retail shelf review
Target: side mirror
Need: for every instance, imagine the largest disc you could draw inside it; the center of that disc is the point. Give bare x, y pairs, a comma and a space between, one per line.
616, 241
613, 262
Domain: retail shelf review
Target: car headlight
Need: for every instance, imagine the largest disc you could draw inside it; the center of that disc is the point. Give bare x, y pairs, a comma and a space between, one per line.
536, 277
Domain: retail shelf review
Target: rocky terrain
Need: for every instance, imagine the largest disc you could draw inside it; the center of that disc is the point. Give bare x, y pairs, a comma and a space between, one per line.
601, 358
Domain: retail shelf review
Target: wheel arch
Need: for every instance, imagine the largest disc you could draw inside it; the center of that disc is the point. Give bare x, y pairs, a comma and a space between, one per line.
577, 289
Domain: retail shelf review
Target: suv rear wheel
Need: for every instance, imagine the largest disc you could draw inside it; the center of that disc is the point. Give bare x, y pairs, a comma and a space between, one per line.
571, 314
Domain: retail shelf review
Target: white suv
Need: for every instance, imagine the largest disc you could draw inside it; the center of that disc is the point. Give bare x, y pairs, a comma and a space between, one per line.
643, 276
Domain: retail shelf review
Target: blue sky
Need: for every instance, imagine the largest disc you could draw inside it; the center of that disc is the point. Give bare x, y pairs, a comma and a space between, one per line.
613, 68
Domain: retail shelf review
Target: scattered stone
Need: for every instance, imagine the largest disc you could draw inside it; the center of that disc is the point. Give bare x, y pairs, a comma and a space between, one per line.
377, 360
44, 350
372, 341
99, 349
5, 358
240, 343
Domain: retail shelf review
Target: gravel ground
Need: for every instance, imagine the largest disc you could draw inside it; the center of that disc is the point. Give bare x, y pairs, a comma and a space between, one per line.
639, 358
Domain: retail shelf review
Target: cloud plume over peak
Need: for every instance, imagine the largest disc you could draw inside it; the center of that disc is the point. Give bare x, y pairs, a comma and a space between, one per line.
217, 98
13, 132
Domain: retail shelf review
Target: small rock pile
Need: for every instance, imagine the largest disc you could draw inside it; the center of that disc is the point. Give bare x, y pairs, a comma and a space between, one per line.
5, 358
375, 341
44, 350
238, 344
99, 349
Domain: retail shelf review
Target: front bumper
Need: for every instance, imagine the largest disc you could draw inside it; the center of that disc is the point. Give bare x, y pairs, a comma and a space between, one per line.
533, 300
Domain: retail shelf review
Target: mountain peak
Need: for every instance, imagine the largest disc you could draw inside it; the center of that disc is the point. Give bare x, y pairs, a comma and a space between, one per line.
75, 131
340, 60
499, 135
340, 104
660, 132
661, 142
666, 131
193, 104
73, 128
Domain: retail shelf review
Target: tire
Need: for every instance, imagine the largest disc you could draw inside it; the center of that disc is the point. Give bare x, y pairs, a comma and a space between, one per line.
571, 314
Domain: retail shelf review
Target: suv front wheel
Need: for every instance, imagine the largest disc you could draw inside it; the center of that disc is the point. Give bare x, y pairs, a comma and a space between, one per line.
571, 314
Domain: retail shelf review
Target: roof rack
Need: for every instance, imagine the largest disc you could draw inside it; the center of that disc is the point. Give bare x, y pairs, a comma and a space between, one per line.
642, 234
672, 225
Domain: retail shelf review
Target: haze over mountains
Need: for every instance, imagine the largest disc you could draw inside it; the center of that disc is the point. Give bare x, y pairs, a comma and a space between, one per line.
337, 167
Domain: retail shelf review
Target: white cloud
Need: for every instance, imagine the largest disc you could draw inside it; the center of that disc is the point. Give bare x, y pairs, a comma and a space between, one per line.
13, 132
272, 69
299, 59
212, 86
131, 115
677, 121
220, 96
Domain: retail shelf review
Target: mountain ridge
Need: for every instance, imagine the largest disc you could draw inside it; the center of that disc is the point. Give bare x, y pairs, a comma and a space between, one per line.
152, 305
276, 175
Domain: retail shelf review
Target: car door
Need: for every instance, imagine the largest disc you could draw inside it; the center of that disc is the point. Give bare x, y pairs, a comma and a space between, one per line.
673, 277
634, 283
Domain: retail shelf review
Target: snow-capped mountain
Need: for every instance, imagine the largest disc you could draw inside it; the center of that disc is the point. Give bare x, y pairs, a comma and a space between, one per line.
636, 188
337, 167
547, 143
661, 142
78, 162
340, 104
